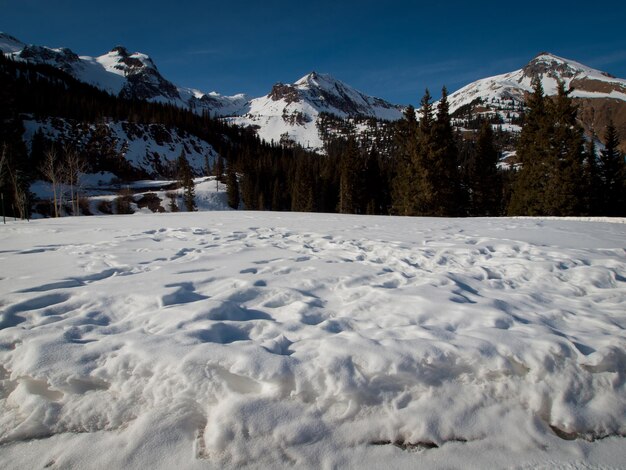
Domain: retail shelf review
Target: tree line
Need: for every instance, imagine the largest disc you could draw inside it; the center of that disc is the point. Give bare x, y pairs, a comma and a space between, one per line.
414, 167
428, 168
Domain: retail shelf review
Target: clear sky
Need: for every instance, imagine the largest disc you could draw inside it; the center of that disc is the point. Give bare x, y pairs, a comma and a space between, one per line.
386, 48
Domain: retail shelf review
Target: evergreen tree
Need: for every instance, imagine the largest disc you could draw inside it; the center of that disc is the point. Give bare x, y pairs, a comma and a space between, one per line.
302, 199
233, 186
405, 183
423, 159
533, 149
612, 175
219, 168
185, 180
442, 164
350, 187
550, 150
373, 184
173, 206
592, 188
565, 179
484, 181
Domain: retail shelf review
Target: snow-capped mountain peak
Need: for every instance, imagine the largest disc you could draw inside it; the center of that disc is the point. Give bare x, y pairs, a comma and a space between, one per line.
10, 44
586, 82
122, 62
600, 96
291, 111
546, 64
120, 72
316, 80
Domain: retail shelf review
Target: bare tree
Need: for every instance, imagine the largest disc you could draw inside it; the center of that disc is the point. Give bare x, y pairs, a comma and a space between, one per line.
13, 181
51, 170
74, 166
20, 194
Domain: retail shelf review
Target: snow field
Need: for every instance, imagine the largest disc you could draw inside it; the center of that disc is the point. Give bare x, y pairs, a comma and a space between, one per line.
253, 338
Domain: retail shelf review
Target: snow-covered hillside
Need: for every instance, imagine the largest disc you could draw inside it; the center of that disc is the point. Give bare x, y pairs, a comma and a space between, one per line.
290, 112
120, 72
585, 81
151, 148
273, 340
601, 97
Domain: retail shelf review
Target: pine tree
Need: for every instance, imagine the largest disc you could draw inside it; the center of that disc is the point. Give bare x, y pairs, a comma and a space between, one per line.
550, 150
373, 184
219, 168
424, 160
485, 183
351, 180
442, 158
302, 199
233, 187
533, 149
591, 175
185, 179
404, 181
563, 194
612, 175
172, 205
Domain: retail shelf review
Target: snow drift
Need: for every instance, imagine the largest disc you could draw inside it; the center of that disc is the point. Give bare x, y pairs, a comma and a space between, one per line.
264, 339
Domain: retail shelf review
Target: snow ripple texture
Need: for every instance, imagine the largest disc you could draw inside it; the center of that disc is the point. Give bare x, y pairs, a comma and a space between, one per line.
211, 340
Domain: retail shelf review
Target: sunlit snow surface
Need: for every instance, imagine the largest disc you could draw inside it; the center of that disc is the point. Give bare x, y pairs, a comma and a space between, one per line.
214, 340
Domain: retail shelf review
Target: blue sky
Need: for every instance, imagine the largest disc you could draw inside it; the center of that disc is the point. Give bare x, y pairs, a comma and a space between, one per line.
390, 49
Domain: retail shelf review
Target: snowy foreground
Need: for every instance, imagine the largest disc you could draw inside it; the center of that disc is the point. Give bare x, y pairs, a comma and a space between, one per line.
225, 339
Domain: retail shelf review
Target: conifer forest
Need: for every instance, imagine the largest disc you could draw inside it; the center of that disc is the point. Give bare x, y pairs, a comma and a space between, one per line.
422, 165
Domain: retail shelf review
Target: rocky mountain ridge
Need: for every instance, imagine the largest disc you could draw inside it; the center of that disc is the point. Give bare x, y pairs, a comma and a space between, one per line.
290, 113
122, 73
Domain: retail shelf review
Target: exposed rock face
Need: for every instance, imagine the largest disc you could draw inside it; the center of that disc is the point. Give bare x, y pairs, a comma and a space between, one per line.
595, 114
288, 93
63, 59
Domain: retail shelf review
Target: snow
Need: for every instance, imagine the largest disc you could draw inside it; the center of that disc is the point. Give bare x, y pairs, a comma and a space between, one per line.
142, 145
226, 339
109, 72
514, 85
298, 116
9, 44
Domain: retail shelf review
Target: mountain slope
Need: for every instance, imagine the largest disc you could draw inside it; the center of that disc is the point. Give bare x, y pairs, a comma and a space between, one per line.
291, 111
288, 111
600, 96
586, 82
125, 74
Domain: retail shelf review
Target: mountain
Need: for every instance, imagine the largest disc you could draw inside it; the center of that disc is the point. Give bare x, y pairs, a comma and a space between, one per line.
290, 112
297, 113
122, 73
600, 96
